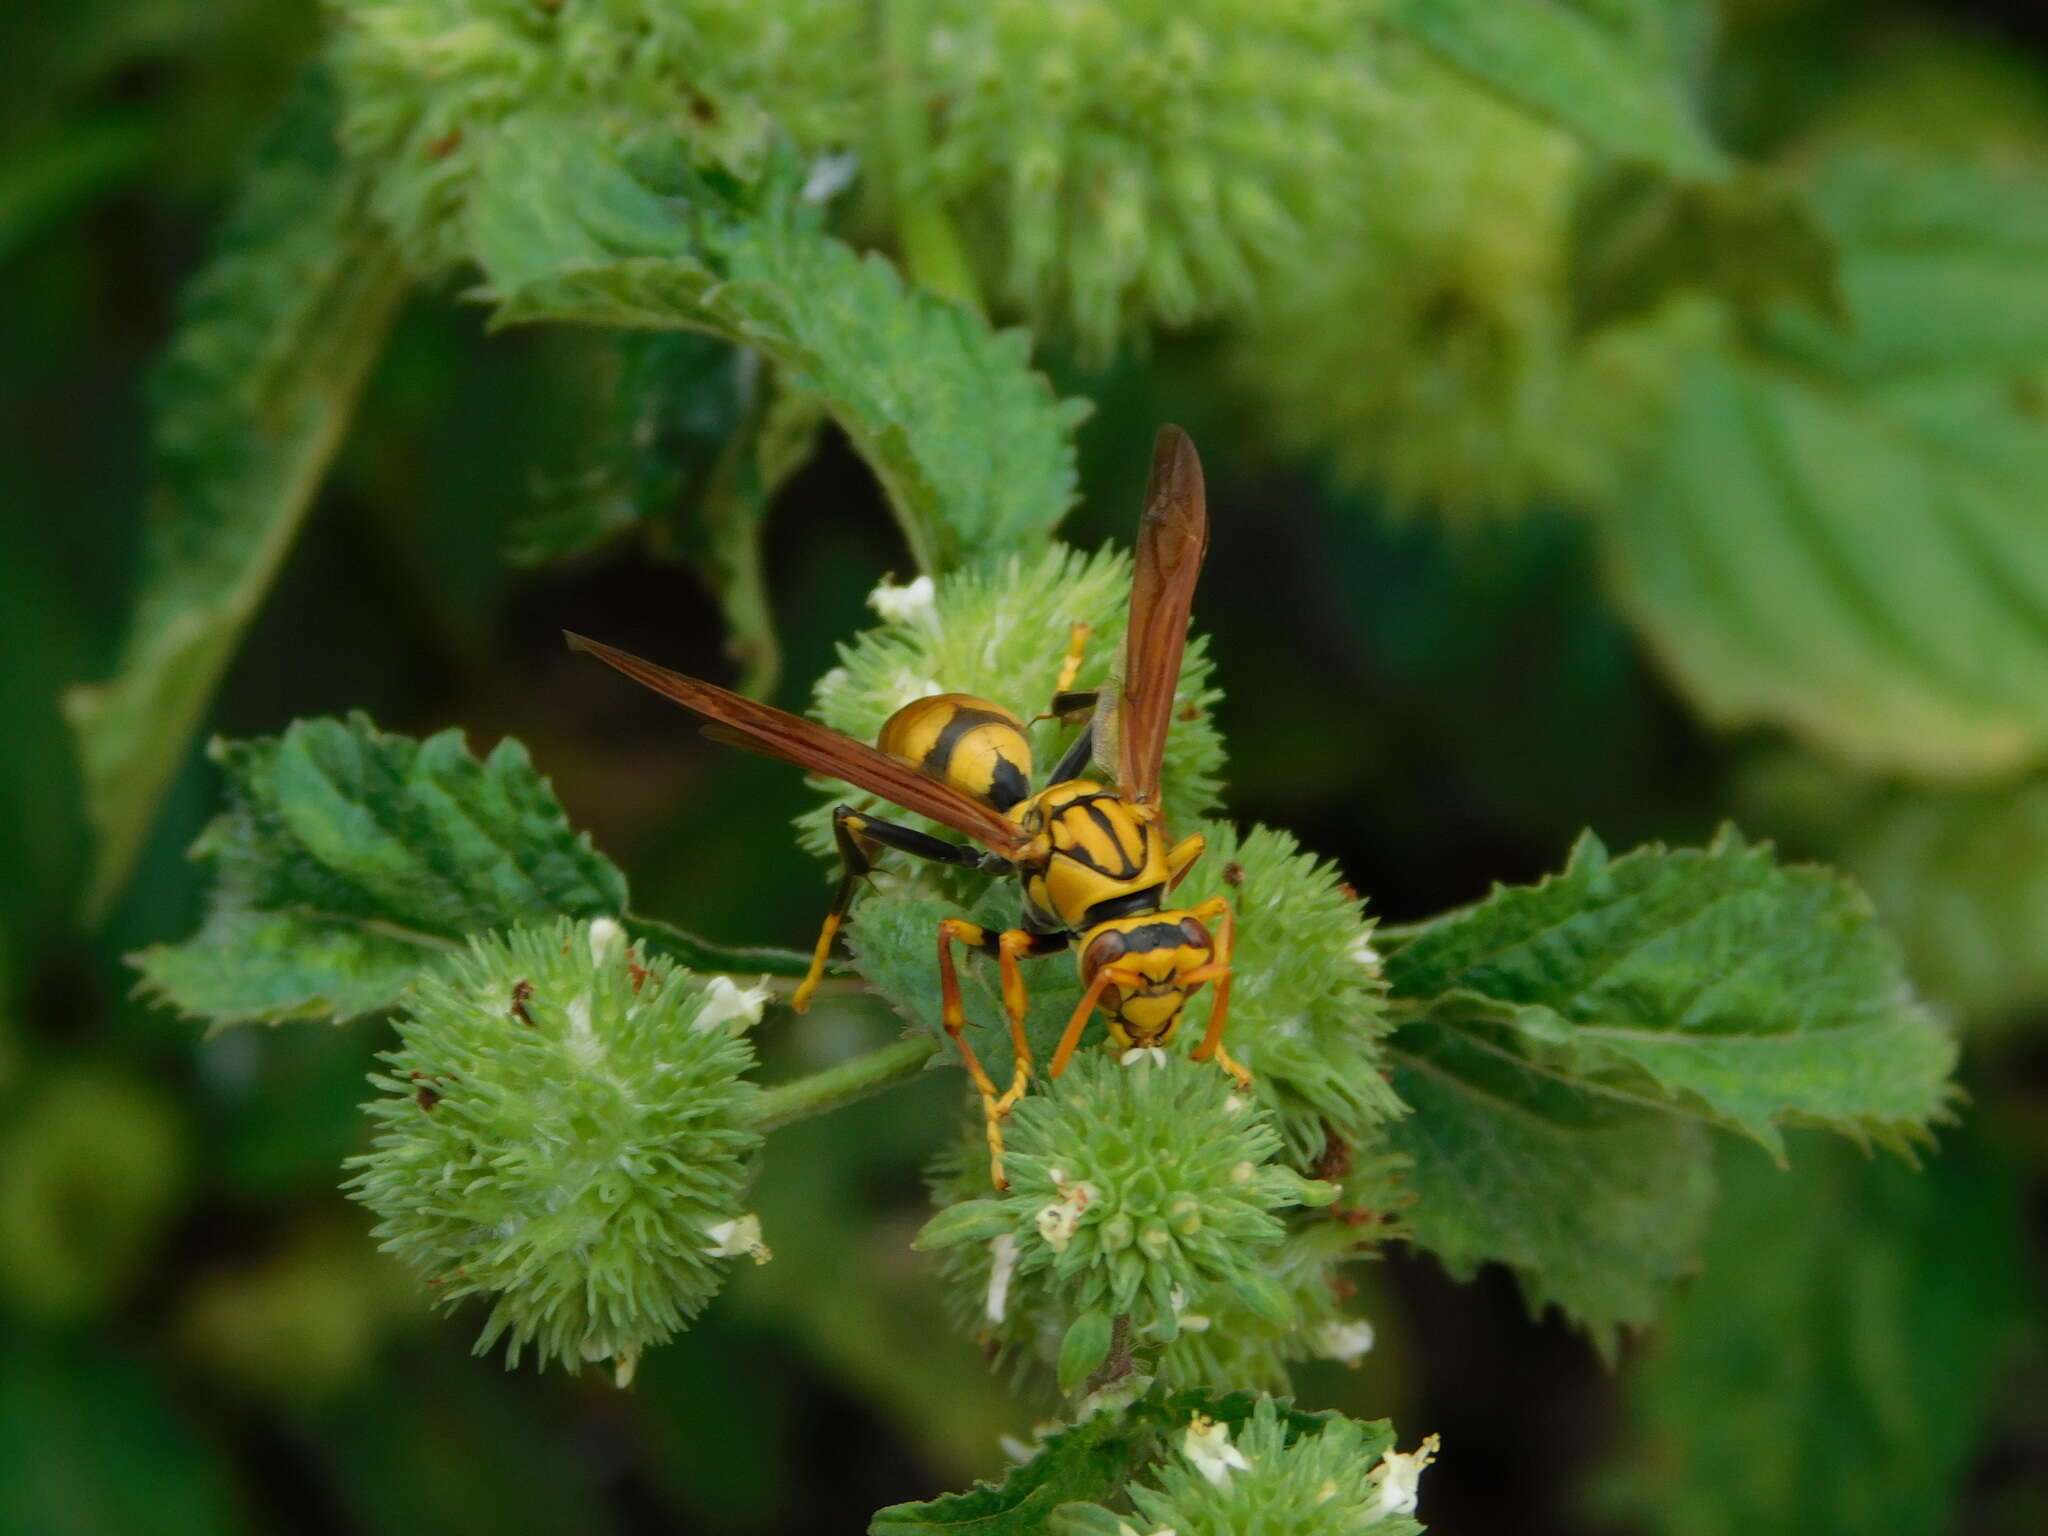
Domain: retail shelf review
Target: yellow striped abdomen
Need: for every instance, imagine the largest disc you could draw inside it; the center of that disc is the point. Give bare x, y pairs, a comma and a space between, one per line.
977, 747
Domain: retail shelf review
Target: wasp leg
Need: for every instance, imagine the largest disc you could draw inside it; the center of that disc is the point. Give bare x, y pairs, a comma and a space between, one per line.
954, 1017
1180, 858
1217, 911
1070, 1037
1008, 947
858, 835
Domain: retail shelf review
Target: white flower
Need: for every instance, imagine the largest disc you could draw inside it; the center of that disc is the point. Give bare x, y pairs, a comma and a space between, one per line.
1207, 1445
607, 940
1363, 953
1056, 1222
1152, 1055
625, 1361
1399, 1475
724, 1002
1003, 1249
1346, 1339
912, 603
742, 1235
829, 176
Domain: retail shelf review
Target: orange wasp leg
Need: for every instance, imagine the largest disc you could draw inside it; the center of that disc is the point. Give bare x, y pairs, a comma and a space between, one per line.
1070, 1037
1009, 947
860, 837
1217, 911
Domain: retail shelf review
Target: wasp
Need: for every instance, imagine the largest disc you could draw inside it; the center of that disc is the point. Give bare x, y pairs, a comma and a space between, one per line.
1096, 866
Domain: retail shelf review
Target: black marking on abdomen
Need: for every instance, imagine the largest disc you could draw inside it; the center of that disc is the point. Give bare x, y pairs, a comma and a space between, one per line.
952, 732
1130, 904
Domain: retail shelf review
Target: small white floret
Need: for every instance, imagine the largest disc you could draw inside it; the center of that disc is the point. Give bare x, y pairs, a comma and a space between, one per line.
1399, 1475
1345, 1339
1363, 953
1207, 1445
1003, 1251
607, 941
1056, 1222
741, 1235
915, 602
725, 1001
1151, 1055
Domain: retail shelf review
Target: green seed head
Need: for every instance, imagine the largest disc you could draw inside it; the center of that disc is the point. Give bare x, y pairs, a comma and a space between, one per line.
1146, 1192
563, 1130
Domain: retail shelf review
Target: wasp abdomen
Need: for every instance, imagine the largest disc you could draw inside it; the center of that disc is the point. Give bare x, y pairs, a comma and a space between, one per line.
977, 747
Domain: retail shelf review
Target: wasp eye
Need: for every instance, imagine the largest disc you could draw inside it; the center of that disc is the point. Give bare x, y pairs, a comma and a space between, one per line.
1192, 930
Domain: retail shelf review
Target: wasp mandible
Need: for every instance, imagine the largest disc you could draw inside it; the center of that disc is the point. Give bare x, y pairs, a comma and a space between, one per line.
1095, 864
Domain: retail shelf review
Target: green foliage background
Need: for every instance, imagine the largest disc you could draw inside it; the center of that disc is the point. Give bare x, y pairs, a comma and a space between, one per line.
1619, 413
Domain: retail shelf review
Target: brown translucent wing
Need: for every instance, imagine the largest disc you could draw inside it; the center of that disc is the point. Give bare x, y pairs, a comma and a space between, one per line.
1173, 536
774, 733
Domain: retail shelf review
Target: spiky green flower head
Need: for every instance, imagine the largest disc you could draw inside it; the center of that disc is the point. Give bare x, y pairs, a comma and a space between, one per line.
1233, 1343
1144, 161
564, 1129
1000, 632
1426, 337
1278, 1473
1137, 1194
427, 82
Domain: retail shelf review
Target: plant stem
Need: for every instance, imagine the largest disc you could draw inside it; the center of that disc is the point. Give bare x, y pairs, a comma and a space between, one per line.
850, 1080
707, 958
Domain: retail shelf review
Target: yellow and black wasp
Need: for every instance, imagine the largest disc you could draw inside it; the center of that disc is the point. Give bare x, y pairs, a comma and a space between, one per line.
1096, 865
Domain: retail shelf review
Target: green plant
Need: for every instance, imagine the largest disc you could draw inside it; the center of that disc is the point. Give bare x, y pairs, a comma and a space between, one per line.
772, 219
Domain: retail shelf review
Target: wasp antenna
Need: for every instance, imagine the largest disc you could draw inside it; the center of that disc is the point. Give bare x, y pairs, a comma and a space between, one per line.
576, 641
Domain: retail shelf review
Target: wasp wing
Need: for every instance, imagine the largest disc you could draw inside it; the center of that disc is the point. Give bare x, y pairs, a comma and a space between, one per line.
774, 733
1173, 536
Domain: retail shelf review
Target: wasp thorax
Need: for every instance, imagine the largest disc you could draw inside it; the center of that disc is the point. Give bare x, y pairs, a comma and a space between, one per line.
977, 747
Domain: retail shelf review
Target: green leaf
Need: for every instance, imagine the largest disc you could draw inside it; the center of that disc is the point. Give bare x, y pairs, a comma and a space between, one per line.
1840, 532
1849, 1315
1608, 72
1961, 876
1089, 1461
276, 334
1713, 982
1085, 1347
347, 860
1564, 1037
1595, 1205
973, 449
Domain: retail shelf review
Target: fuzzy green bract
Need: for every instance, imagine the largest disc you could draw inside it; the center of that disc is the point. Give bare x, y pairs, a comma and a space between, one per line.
563, 1131
1563, 1038
1298, 1481
1140, 1191
431, 83
1125, 165
1078, 1469
349, 861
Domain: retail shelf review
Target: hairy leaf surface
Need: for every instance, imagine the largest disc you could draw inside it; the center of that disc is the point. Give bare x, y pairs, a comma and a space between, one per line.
276, 334
1565, 1037
973, 448
349, 859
